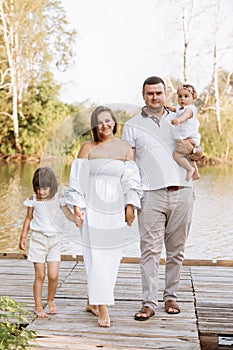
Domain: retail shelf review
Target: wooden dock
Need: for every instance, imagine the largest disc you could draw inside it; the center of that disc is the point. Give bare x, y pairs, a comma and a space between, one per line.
205, 297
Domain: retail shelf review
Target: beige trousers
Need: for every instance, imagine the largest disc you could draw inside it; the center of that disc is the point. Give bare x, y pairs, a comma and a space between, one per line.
165, 218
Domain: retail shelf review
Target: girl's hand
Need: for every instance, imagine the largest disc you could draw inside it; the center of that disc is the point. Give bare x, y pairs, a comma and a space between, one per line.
78, 216
129, 214
23, 243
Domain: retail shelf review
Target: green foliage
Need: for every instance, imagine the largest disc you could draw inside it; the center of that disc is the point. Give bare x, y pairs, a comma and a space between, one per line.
13, 336
213, 144
36, 40
42, 112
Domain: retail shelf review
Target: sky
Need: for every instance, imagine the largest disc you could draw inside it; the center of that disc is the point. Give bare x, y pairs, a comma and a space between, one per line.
122, 42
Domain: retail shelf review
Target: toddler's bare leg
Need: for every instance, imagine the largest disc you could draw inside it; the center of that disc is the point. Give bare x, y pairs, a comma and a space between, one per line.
196, 174
181, 159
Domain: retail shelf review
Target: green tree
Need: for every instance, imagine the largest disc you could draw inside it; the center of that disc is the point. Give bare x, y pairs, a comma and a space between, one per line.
34, 37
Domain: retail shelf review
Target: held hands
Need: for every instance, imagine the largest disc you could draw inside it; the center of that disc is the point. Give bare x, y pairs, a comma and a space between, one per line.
129, 214
78, 216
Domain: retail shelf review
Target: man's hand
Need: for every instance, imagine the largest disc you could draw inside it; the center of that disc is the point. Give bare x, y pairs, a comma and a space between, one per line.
186, 147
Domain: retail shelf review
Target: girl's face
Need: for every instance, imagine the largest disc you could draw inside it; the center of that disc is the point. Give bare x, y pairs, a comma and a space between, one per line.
105, 125
43, 193
185, 97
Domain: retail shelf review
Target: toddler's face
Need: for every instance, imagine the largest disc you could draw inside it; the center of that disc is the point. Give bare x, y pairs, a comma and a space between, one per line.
185, 97
43, 193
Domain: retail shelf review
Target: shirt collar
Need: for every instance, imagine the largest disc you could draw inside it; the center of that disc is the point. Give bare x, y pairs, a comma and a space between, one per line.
145, 114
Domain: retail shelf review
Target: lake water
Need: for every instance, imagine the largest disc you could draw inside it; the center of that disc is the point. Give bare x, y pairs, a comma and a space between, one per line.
211, 235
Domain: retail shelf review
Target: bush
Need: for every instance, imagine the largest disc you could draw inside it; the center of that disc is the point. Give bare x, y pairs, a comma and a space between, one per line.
13, 334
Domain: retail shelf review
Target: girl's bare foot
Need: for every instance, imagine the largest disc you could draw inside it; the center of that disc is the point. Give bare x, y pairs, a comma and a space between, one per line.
103, 320
52, 308
93, 309
40, 313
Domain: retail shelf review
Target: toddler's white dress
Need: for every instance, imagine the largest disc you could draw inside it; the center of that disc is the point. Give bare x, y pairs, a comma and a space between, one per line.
189, 128
102, 187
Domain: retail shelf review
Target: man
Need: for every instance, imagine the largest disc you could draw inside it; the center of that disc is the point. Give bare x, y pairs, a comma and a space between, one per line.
167, 201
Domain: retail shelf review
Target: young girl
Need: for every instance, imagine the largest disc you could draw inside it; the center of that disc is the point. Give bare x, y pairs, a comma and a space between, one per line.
44, 218
187, 125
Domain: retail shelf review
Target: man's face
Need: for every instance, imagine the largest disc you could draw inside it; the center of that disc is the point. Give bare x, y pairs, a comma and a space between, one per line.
154, 96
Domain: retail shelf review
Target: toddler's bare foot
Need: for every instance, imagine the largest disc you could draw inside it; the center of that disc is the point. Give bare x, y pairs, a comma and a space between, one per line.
40, 313
93, 309
196, 176
103, 320
52, 308
190, 174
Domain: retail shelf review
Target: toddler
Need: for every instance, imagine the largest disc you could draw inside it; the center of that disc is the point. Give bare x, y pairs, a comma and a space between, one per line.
186, 126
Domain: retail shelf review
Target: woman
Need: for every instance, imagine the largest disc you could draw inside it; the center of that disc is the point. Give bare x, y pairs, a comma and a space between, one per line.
104, 188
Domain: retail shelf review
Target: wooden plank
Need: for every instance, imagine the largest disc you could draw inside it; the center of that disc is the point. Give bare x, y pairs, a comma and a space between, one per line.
132, 260
214, 303
80, 329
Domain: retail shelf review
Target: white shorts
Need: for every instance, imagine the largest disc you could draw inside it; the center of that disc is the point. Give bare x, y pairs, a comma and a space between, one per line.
44, 248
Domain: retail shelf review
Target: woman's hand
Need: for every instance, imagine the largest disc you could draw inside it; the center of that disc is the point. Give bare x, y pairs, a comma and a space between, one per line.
129, 214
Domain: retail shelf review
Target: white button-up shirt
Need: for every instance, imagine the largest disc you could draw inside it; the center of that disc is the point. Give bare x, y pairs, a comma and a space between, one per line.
154, 144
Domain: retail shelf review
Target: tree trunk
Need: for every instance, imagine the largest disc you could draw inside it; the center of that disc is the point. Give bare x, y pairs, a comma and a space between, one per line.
8, 36
215, 79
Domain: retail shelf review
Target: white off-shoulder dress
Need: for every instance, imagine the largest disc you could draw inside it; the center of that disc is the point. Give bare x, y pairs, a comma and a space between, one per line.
102, 188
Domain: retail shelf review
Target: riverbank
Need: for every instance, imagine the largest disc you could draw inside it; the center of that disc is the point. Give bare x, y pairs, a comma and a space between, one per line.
19, 158
27, 158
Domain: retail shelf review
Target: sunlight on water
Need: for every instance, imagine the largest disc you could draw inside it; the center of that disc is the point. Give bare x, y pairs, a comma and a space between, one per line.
211, 235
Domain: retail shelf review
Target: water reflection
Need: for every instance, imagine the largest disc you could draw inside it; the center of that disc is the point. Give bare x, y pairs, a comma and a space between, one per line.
211, 234
211, 231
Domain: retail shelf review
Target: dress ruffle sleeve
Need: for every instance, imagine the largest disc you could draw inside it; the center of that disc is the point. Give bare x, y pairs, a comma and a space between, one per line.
78, 182
28, 203
131, 184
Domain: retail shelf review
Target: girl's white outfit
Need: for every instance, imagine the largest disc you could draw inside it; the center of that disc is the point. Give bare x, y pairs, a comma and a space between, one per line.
103, 187
46, 226
189, 128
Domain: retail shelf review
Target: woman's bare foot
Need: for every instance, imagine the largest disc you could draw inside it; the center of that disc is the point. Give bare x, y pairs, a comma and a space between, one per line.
103, 320
40, 313
93, 309
52, 308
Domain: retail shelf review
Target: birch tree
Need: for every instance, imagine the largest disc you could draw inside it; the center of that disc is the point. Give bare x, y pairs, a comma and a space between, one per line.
187, 27
35, 35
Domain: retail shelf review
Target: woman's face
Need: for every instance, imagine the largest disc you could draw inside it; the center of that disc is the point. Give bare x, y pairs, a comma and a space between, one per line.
105, 125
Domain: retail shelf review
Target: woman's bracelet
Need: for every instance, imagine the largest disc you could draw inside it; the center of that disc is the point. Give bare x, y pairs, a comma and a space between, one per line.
23, 237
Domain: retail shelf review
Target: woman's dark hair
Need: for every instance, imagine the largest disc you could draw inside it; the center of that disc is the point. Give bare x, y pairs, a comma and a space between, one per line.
45, 177
152, 81
94, 121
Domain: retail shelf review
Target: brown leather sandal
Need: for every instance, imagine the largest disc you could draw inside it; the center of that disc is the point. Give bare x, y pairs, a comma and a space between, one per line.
171, 304
144, 310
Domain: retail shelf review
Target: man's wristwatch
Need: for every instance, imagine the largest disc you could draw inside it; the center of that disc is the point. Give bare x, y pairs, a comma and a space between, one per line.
194, 150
